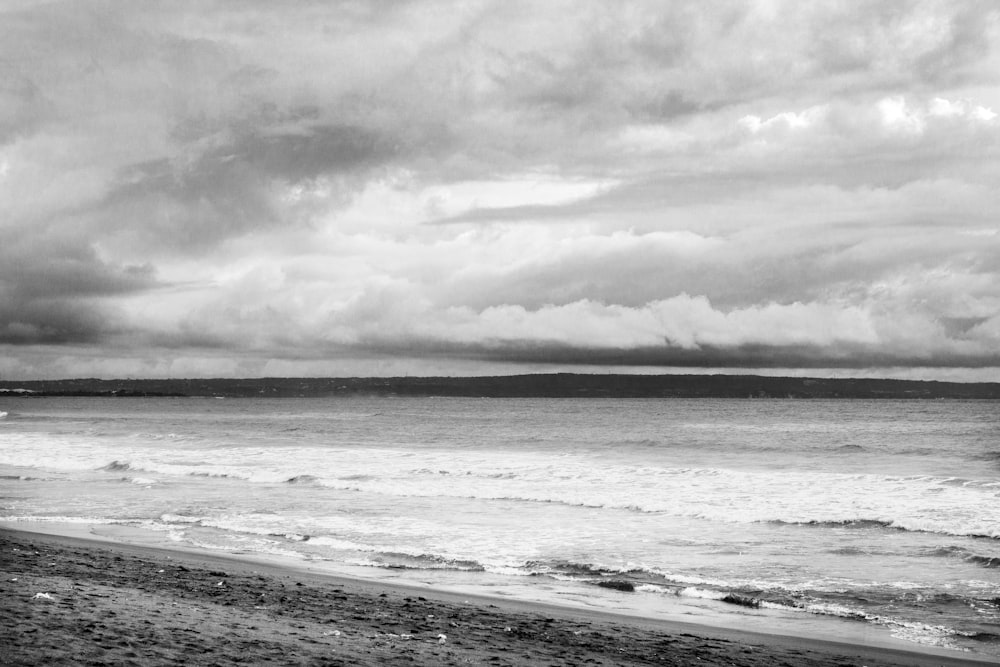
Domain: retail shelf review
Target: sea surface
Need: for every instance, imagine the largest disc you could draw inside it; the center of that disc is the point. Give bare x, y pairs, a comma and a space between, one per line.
885, 514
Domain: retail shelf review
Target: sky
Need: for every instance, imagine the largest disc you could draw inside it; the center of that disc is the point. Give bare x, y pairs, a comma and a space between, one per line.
304, 188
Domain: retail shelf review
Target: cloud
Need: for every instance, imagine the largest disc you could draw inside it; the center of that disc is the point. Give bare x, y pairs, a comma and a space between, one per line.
681, 322
703, 184
681, 331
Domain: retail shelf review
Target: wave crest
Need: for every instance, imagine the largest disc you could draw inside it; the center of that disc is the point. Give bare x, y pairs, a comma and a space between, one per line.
423, 561
839, 523
302, 479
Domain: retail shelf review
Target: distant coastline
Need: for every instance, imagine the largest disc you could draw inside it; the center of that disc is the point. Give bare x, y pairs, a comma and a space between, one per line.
556, 385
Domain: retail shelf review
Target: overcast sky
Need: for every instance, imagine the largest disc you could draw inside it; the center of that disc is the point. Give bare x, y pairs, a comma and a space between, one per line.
265, 188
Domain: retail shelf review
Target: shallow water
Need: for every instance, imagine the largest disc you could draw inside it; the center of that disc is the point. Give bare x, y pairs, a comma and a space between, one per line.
880, 511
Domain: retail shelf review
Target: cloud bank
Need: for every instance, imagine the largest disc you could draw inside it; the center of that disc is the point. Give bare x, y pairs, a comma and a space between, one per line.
222, 188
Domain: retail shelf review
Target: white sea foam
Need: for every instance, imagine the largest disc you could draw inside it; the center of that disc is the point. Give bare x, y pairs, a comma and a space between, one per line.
702, 593
922, 633
169, 517
925, 503
60, 519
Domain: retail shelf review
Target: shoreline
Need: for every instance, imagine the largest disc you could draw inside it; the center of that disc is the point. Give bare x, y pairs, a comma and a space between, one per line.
239, 609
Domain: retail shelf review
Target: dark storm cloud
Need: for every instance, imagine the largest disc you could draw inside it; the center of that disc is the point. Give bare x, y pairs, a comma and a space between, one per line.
52, 321
234, 188
54, 291
70, 269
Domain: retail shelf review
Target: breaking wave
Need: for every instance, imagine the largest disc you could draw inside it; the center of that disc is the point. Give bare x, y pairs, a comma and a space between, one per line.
302, 479
989, 562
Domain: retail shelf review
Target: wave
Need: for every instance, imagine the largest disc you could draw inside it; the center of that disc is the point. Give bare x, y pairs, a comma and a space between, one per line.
894, 525
882, 605
849, 607
123, 466
302, 479
423, 561
971, 483
67, 519
993, 455
927, 504
320, 546
291, 537
989, 562
902, 502
860, 524
741, 600
641, 443
572, 569
513, 487
182, 518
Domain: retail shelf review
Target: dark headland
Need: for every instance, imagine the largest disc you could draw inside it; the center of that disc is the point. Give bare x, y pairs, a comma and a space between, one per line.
556, 385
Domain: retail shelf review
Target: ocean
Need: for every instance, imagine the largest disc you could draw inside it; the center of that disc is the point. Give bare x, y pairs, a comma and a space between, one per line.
869, 517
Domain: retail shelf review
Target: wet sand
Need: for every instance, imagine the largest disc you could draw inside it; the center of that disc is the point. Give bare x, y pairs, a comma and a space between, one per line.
72, 601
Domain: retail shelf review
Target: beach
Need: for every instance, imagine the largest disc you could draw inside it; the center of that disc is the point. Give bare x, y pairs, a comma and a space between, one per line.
859, 522
69, 600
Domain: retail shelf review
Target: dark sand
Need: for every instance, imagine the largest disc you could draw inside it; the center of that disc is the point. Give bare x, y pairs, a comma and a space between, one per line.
131, 605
